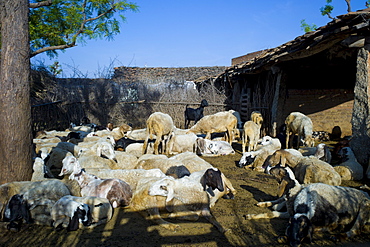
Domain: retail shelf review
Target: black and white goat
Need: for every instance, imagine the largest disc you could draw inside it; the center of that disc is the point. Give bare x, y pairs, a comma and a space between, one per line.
67, 213
195, 115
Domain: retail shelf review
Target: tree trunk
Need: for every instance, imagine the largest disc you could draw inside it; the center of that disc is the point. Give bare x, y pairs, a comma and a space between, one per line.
15, 109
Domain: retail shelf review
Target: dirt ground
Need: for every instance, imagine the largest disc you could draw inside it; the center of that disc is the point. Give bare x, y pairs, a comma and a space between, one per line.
129, 228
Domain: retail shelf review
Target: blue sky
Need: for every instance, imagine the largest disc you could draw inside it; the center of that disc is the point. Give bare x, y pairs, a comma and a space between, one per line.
186, 33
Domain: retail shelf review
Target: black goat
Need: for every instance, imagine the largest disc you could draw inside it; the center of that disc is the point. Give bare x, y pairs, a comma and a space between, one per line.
195, 115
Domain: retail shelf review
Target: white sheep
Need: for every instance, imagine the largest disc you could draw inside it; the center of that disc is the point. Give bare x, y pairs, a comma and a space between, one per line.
168, 166
40, 170
349, 168
237, 115
250, 136
184, 197
180, 143
306, 169
207, 147
100, 208
321, 151
300, 124
130, 176
138, 134
219, 122
39, 195
69, 214
117, 191
256, 159
161, 125
194, 163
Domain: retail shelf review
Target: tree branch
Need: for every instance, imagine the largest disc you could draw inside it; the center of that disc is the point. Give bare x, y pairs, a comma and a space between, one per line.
50, 48
41, 4
74, 38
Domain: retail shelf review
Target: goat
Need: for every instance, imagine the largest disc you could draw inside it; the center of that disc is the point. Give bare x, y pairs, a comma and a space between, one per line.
195, 115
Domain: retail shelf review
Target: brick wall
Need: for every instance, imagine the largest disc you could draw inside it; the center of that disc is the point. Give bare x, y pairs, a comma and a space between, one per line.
327, 108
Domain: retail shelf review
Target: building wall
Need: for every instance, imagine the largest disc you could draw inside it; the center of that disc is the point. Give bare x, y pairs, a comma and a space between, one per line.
327, 108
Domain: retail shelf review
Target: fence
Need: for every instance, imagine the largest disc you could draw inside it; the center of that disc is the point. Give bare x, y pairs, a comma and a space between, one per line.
58, 115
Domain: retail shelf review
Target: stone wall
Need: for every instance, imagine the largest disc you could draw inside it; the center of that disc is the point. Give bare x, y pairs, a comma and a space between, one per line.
130, 74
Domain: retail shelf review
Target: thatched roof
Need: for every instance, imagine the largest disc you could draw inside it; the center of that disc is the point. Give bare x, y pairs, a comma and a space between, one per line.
349, 30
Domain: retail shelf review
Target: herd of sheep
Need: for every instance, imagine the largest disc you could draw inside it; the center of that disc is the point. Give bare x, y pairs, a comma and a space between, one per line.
81, 175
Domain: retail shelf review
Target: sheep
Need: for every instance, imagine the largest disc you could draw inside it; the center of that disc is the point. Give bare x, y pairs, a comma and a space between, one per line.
237, 115
349, 168
207, 147
251, 135
182, 143
136, 149
321, 151
167, 165
121, 144
218, 122
115, 190
161, 125
125, 160
40, 196
325, 207
130, 176
257, 118
184, 198
211, 181
16, 211
289, 187
306, 169
68, 213
101, 209
40, 170
194, 163
116, 133
300, 124
256, 159
195, 115
138, 134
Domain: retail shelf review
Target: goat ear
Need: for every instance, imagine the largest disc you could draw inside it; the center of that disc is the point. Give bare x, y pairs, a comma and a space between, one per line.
203, 182
74, 222
282, 187
171, 192
98, 150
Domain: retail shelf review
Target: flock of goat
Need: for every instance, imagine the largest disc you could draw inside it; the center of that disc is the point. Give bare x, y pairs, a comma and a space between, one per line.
82, 174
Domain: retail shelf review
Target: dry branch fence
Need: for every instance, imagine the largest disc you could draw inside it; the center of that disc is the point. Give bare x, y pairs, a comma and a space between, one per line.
58, 115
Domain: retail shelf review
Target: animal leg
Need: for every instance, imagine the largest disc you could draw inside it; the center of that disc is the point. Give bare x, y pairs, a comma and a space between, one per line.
269, 215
